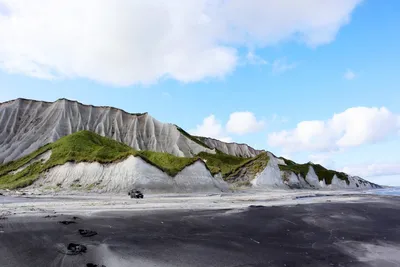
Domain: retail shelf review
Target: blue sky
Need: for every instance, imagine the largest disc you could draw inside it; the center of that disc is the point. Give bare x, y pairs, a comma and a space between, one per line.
253, 85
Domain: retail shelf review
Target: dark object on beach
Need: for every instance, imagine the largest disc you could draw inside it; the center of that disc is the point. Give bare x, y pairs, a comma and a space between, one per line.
50, 216
135, 194
74, 249
256, 206
1, 194
94, 265
87, 233
66, 222
75, 218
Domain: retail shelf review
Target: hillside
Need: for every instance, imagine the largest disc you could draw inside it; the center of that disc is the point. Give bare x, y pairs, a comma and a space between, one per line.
26, 125
235, 149
87, 160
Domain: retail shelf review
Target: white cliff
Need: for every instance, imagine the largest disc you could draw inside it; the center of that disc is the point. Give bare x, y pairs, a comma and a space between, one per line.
26, 125
130, 173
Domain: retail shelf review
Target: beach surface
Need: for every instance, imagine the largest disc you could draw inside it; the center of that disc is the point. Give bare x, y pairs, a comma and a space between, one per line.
254, 228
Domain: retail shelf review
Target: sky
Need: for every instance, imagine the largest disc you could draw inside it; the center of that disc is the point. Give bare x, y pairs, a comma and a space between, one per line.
311, 80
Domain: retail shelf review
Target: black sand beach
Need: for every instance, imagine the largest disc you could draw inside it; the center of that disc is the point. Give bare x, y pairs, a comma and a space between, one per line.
324, 234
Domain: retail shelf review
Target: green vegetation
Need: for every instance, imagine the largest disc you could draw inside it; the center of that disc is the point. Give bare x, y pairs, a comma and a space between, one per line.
84, 146
222, 163
288, 161
321, 172
14, 165
194, 139
252, 165
166, 162
327, 175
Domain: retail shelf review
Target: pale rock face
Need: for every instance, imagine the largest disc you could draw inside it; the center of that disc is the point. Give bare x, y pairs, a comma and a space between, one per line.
359, 183
130, 173
292, 180
271, 176
312, 178
280, 161
26, 125
338, 183
240, 150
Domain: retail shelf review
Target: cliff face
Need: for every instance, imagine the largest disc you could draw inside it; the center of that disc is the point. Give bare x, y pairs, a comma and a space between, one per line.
240, 150
26, 125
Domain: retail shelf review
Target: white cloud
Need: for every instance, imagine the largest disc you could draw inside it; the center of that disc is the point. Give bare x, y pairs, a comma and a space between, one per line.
211, 127
349, 75
373, 169
243, 122
127, 42
353, 127
281, 66
239, 123
254, 59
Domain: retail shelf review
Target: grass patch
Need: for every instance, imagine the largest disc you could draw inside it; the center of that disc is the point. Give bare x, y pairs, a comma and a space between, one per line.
15, 165
84, 146
166, 162
222, 163
253, 166
322, 173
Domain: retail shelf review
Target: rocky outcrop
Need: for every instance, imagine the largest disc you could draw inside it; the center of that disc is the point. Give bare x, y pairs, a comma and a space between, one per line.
26, 125
273, 177
130, 173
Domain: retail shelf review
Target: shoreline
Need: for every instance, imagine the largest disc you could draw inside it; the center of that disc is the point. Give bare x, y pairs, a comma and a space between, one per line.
283, 230
87, 204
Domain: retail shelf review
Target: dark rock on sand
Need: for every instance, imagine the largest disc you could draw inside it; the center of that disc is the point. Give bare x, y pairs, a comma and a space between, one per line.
75, 249
66, 222
87, 233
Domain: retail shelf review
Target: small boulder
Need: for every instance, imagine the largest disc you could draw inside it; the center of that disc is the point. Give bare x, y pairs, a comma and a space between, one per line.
66, 222
87, 233
74, 249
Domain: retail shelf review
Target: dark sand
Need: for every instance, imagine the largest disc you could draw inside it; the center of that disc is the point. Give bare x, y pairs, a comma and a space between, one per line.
328, 234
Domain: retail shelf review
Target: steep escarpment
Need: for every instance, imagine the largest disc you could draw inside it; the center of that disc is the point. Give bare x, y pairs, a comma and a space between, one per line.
239, 150
283, 173
85, 160
68, 144
26, 125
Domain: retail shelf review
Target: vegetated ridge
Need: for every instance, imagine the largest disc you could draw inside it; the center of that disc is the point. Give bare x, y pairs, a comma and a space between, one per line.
37, 136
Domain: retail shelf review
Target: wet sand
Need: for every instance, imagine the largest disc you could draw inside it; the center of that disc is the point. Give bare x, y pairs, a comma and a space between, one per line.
365, 232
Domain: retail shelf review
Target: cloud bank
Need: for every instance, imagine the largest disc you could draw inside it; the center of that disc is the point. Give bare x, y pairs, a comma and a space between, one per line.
127, 42
239, 123
353, 127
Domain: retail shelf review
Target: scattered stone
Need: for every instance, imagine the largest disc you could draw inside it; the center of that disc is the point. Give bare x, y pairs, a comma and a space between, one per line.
256, 206
75, 249
50, 216
66, 222
75, 218
87, 233
94, 265
1, 194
